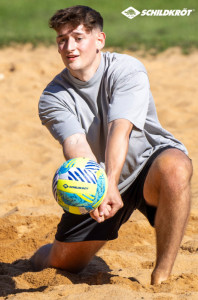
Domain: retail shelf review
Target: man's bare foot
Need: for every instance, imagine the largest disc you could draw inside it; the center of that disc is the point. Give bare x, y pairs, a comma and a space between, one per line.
158, 277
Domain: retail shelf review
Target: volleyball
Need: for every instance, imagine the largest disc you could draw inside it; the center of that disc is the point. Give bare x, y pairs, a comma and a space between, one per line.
79, 185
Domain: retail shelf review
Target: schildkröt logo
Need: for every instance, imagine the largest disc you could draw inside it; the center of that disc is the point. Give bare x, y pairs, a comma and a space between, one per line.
131, 12
75, 187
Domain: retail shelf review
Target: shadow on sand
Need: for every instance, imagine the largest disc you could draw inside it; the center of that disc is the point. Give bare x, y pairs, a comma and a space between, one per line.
96, 273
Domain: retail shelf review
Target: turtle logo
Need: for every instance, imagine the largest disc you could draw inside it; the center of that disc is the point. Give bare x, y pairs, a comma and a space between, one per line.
130, 12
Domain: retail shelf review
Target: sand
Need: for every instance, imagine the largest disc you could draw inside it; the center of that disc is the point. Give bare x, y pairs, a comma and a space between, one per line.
29, 215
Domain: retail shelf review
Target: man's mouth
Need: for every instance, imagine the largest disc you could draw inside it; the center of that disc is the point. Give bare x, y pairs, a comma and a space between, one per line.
72, 57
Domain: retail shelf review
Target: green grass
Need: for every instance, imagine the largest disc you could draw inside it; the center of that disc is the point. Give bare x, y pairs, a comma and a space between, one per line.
26, 21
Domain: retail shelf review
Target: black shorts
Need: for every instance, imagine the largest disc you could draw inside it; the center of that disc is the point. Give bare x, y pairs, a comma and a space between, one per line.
78, 228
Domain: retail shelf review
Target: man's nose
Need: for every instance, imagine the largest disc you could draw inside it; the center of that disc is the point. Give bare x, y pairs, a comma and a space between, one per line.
71, 44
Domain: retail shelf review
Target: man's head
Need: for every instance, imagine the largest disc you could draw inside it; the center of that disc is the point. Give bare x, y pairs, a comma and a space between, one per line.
80, 39
77, 15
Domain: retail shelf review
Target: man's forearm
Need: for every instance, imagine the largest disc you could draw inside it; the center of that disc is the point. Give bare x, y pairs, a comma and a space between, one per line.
117, 148
77, 146
115, 156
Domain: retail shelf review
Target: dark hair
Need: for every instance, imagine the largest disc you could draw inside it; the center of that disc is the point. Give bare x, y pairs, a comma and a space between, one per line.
75, 16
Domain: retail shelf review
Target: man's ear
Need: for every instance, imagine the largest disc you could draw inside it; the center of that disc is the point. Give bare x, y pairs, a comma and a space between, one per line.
100, 42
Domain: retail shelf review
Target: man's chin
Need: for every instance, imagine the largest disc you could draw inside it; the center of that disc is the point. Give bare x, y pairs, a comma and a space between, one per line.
72, 65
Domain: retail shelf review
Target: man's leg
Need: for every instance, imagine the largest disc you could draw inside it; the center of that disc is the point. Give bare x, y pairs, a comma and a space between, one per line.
167, 186
72, 257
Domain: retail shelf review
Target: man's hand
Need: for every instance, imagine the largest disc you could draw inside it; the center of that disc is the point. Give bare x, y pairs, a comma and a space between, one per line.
109, 206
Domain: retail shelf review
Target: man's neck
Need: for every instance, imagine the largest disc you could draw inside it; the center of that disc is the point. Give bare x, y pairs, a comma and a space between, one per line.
86, 75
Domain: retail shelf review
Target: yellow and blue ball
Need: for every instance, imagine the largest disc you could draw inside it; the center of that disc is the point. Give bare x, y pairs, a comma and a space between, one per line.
79, 185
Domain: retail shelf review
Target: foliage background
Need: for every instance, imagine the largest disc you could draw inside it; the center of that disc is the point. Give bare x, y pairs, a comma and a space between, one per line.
24, 21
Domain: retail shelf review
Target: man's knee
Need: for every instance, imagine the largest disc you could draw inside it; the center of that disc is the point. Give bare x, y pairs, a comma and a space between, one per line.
174, 168
40, 258
170, 173
178, 169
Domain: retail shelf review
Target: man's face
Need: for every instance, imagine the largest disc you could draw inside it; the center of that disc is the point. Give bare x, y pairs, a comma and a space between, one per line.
79, 50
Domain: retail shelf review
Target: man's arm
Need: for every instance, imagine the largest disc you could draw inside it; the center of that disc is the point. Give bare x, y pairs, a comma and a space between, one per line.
116, 151
76, 145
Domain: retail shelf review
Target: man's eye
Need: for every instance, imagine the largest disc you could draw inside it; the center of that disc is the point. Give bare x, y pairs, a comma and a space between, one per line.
61, 41
79, 39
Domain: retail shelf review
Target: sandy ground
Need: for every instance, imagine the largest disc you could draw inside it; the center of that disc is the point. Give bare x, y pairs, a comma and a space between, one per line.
29, 215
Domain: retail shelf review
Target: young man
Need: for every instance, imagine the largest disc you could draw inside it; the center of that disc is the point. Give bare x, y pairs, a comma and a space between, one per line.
100, 106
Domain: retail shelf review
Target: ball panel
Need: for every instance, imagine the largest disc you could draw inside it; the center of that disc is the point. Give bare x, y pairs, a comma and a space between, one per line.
72, 199
77, 210
73, 209
101, 190
66, 166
